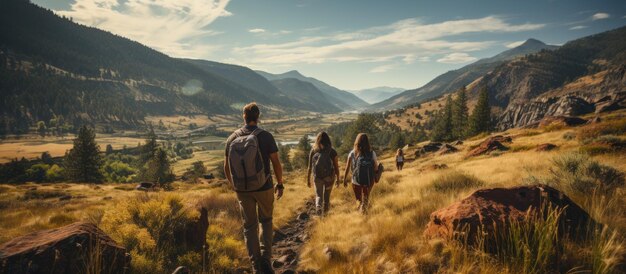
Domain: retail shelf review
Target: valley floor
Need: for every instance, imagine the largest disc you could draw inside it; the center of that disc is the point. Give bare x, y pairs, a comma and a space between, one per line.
388, 239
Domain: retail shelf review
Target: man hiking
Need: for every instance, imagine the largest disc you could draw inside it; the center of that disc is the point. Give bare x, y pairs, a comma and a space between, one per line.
249, 151
324, 164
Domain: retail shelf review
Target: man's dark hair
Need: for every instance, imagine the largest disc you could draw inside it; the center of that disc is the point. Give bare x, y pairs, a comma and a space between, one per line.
251, 112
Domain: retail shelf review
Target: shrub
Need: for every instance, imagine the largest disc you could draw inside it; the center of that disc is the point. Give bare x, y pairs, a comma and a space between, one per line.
594, 131
145, 226
581, 174
455, 181
37, 172
55, 173
118, 172
568, 136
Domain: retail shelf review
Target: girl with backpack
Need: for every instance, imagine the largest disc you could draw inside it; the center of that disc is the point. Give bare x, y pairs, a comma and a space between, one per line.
399, 159
363, 164
324, 165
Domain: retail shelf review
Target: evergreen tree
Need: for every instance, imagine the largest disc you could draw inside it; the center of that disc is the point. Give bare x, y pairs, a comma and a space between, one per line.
304, 147
460, 115
149, 149
480, 120
158, 169
46, 158
283, 154
83, 161
109, 149
397, 141
442, 130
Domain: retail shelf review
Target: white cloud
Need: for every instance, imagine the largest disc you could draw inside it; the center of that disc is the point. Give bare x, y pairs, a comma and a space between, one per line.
515, 44
404, 39
578, 27
600, 16
256, 30
456, 58
383, 68
173, 27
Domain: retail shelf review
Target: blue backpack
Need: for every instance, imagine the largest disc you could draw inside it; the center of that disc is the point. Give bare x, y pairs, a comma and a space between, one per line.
363, 169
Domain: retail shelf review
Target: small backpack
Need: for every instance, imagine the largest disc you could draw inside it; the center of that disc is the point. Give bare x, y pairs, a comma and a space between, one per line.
322, 164
246, 162
363, 169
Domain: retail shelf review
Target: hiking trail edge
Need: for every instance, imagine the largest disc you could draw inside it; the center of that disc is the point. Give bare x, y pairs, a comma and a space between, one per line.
289, 239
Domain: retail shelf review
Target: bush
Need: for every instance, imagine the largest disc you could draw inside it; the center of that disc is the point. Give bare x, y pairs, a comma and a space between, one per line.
118, 172
455, 181
568, 136
145, 226
37, 172
55, 174
581, 174
593, 131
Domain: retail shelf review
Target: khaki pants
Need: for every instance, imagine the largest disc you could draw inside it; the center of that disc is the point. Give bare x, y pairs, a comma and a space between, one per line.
257, 207
323, 187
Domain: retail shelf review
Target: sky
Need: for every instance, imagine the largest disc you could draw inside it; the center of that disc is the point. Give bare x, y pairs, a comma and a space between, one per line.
350, 44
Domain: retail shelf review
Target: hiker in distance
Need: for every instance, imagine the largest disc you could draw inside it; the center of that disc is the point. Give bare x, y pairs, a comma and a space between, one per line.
249, 151
363, 165
399, 159
324, 164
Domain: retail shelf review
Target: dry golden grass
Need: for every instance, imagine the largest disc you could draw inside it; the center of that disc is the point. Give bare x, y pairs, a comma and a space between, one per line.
33, 147
389, 238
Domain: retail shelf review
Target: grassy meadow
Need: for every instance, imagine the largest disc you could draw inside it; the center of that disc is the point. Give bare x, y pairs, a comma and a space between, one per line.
389, 239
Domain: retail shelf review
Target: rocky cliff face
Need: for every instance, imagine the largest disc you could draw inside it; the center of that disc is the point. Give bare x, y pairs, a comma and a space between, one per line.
604, 91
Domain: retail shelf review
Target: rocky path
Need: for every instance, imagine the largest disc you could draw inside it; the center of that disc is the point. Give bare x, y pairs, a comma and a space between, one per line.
290, 238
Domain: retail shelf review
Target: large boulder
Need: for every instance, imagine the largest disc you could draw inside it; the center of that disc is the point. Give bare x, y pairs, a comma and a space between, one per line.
74, 248
490, 210
487, 146
428, 148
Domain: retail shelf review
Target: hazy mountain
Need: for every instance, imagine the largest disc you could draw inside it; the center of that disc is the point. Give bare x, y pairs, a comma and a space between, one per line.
307, 93
455, 79
377, 94
342, 99
248, 78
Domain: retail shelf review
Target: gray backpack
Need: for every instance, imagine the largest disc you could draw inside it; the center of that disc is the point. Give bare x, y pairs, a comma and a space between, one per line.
246, 162
322, 164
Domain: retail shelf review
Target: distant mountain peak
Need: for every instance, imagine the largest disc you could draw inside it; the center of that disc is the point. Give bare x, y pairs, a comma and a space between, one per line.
293, 73
532, 41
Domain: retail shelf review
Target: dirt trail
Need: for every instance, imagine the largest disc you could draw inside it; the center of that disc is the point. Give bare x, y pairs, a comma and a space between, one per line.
290, 238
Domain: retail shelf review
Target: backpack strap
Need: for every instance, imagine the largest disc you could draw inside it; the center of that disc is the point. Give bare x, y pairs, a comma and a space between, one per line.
257, 131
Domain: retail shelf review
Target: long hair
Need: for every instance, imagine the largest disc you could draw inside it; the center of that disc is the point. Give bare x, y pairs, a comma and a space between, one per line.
322, 140
399, 152
362, 144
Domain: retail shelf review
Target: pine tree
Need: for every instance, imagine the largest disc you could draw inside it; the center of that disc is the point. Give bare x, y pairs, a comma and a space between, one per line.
397, 141
109, 149
149, 149
480, 120
283, 154
442, 130
158, 169
304, 147
83, 161
460, 115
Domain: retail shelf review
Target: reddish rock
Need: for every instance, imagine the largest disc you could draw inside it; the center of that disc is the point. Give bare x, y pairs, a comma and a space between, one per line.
487, 146
502, 139
493, 210
546, 147
567, 121
68, 249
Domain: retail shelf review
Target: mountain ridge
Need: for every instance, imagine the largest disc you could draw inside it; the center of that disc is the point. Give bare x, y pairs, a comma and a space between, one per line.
455, 79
